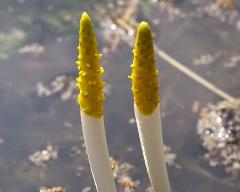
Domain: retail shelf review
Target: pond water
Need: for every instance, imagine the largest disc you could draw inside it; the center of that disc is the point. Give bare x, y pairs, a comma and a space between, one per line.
38, 41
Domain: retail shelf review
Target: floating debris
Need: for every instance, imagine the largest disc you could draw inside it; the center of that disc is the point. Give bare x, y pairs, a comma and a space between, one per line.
206, 59
40, 158
54, 189
114, 34
121, 174
132, 120
170, 157
79, 170
34, 49
219, 130
218, 11
76, 151
62, 85
234, 61
129, 149
169, 8
128, 184
86, 189
221, 10
195, 106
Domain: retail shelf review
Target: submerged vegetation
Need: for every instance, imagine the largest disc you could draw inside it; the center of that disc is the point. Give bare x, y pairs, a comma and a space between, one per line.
219, 130
27, 22
55, 20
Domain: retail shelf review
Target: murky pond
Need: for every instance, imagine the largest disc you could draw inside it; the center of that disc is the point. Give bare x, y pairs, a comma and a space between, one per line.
41, 141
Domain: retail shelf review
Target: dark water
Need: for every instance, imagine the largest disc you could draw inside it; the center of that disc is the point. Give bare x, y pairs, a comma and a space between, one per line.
28, 124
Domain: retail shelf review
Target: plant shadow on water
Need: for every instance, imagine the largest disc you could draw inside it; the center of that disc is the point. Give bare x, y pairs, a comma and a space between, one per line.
39, 114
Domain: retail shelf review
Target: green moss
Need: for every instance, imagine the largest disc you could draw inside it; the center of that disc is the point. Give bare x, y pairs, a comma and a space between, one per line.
10, 42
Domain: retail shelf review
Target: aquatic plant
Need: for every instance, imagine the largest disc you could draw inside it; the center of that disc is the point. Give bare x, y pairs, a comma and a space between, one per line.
39, 22
145, 90
91, 99
146, 104
10, 41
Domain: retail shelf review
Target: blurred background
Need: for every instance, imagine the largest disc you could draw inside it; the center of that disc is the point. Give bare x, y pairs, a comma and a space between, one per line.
41, 142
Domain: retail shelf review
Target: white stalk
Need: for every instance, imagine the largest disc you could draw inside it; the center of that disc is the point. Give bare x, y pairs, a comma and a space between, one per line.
150, 133
97, 151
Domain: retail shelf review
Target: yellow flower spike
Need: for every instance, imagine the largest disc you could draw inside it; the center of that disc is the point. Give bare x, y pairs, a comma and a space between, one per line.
90, 83
145, 89
144, 75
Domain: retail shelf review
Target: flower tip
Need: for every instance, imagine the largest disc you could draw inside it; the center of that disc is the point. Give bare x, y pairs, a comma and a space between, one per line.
85, 16
144, 26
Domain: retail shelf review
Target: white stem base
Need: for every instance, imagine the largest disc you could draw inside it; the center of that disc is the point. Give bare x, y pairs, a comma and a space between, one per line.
98, 156
150, 133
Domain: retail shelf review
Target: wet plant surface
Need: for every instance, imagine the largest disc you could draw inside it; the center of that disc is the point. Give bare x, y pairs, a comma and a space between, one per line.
41, 141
